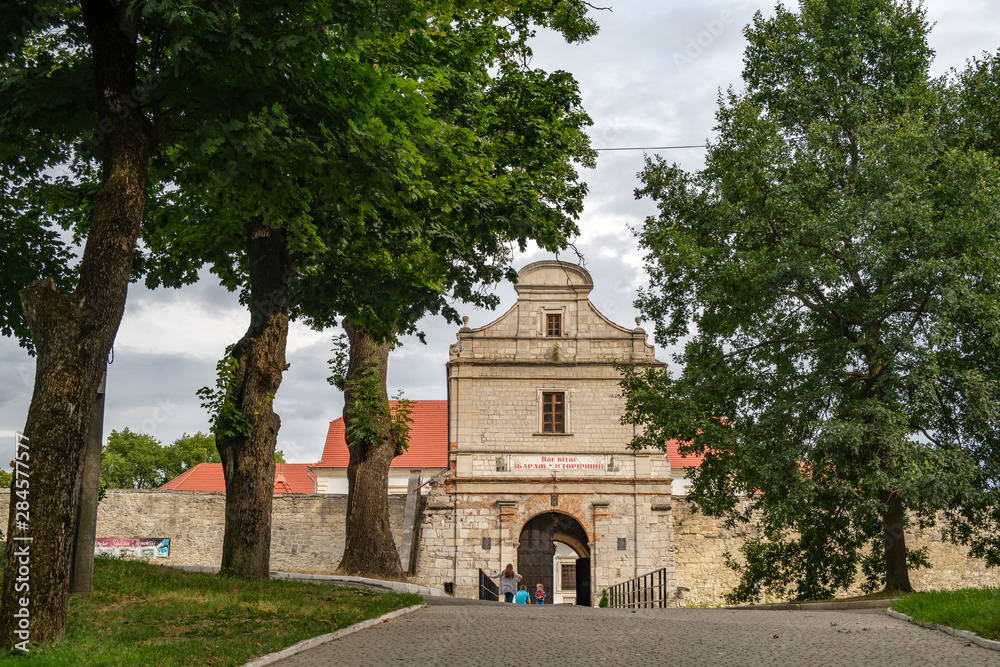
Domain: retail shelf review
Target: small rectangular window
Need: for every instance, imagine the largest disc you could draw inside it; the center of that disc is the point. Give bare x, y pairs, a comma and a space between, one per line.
553, 412
567, 577
553, 325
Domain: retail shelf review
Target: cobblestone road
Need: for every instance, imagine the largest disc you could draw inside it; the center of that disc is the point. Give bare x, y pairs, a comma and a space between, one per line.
497, 634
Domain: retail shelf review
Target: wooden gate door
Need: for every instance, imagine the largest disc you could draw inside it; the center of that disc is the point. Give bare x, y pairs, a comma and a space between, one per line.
534, 555
583, 581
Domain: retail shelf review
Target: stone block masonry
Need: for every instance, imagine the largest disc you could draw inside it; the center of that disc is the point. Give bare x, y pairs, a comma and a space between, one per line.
701, 541
307, 531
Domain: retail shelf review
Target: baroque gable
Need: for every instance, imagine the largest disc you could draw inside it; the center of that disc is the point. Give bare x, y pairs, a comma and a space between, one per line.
552, 322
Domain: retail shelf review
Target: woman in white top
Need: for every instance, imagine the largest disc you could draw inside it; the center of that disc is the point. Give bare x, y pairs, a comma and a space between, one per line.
508, 582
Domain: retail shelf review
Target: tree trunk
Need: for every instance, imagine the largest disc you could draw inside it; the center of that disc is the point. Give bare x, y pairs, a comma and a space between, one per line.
897, 574
369, 548
248, 462
73, 334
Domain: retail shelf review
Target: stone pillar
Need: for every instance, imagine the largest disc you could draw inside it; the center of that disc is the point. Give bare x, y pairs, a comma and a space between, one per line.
406, 548
597, 558
508, 541
82, 573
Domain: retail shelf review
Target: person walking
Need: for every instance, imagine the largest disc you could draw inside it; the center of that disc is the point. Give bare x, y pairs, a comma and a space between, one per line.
508, 582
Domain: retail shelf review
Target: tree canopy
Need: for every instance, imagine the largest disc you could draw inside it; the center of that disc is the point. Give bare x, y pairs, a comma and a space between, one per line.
139, 461
832, 272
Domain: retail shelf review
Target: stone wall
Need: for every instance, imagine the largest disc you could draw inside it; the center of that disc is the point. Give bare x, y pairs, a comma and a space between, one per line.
308, 536
701, 541
307, 531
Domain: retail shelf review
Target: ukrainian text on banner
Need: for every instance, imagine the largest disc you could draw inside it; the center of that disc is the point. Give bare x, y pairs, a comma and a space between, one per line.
556, 462
136, 547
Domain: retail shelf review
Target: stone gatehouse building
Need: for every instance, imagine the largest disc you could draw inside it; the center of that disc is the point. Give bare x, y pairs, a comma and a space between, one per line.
539, 473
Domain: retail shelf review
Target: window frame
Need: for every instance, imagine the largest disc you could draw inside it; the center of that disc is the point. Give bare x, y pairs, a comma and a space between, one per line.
550, 320
567, 393
558, 409
542, 321
562, 576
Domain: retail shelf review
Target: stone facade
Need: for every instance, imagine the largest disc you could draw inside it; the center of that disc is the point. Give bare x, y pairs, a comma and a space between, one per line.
508, 467
307, 532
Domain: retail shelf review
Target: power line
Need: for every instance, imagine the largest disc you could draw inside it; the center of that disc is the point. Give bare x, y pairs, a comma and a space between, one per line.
616, 148
648, 148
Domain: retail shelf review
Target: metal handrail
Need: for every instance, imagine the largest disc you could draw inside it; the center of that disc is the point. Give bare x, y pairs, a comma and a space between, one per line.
646, 592
488, 589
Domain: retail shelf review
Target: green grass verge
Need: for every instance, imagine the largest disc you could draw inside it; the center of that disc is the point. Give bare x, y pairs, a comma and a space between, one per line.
880, 595
973, 609
142, 614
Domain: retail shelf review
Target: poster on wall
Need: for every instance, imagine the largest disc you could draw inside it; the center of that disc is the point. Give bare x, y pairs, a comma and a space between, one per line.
132, 547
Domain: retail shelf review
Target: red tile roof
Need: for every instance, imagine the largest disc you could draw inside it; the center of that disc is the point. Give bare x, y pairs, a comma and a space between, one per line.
288, 478
677, 460
428, 439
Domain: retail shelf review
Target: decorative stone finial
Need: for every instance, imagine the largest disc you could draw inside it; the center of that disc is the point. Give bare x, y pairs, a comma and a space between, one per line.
638, 321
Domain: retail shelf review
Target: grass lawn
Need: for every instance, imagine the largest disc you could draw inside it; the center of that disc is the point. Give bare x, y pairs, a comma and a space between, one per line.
973, 609
143, 614
880, 595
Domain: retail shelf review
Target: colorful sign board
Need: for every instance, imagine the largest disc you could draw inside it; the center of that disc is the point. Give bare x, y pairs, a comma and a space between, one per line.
132, 547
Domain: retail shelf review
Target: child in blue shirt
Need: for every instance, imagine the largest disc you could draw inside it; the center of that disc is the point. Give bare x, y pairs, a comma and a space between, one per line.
539, 594
522, 596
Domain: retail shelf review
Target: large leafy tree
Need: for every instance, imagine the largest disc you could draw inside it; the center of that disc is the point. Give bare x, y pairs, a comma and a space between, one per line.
499, 160
92, 93
833, 273
67, 67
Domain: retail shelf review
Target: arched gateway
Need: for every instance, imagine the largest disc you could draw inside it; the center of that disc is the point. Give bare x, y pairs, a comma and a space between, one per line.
537, 453
536, 554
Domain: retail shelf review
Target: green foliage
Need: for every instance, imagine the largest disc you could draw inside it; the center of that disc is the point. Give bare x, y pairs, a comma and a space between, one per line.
220, 402
604, 598
368, 412
5, 479
340, 362
833, 273
367, 409
132, 461
495, 149
138, 461
188, 451
279, 456
401, 420
975, 521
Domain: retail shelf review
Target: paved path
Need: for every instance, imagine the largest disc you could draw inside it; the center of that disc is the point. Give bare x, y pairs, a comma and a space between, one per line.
497, 634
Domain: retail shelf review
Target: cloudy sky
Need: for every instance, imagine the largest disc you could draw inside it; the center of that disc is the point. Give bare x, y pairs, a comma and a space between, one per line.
649, 79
